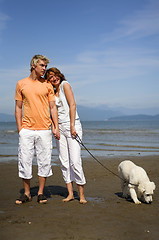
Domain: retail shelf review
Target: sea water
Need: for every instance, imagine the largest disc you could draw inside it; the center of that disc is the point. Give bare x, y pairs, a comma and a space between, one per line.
111, 138
101, 138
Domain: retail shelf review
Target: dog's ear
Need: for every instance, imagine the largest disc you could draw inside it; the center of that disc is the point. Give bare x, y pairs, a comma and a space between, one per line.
141, 188
153, 185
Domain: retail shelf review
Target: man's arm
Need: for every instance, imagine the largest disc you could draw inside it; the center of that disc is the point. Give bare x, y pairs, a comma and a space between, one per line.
18, 114
54, 115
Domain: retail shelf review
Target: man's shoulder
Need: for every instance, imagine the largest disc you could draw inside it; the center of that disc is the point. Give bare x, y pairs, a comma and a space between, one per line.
48, 85
21, 81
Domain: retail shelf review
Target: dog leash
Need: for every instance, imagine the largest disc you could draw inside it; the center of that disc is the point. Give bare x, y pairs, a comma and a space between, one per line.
78, 139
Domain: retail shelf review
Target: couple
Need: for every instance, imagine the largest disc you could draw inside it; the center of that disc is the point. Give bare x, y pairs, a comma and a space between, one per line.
35, 102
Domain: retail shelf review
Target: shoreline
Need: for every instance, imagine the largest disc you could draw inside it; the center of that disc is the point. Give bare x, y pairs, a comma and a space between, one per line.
9, 158
105, 216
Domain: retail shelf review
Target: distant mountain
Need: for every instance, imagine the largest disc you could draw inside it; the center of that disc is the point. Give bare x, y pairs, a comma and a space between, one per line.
6, 117
85, 113
137, 111
103, 112
96, 113
100, 113
138, 117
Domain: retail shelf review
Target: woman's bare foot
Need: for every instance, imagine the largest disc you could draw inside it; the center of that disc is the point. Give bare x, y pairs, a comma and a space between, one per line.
81, 193
68, 199
83, 200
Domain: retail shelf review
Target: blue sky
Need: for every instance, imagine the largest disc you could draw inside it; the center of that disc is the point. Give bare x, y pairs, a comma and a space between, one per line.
108, 50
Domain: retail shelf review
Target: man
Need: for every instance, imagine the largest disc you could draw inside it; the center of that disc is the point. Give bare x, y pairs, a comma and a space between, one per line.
34, 98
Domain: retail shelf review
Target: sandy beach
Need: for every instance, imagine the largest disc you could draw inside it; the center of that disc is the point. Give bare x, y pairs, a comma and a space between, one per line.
105, 216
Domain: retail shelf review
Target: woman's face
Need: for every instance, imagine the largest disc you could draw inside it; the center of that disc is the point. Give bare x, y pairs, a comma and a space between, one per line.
54, 80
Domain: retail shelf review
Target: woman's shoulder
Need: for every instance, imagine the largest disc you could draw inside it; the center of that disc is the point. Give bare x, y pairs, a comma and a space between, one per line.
64, 82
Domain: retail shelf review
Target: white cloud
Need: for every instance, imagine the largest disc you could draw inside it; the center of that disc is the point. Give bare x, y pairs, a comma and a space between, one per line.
111, 65
142, 23
12, 75
3, 19
125, 76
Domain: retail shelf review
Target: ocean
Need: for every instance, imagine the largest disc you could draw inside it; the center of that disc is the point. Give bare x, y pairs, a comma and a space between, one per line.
101, 138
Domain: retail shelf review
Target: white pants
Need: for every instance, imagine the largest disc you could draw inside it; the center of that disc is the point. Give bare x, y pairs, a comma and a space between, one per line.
70, 154
41, 141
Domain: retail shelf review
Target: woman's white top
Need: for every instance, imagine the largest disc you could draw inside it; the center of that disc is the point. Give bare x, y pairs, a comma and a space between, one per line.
63, 106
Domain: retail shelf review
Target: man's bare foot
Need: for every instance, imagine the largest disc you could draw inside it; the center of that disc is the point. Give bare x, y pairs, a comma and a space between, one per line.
68, 199
23, 199
41, 198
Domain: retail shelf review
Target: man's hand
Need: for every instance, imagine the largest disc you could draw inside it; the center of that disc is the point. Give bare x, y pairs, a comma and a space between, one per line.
56, 132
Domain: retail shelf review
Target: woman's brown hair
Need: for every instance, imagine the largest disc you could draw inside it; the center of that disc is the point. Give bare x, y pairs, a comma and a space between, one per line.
56, 71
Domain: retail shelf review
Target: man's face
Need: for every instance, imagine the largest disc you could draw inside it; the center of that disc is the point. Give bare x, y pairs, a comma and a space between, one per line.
40, 68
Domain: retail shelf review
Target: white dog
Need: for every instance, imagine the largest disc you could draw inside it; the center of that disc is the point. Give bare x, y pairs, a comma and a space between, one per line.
136, 182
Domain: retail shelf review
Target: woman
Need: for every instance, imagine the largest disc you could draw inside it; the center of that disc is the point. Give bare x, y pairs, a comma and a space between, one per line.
69, 125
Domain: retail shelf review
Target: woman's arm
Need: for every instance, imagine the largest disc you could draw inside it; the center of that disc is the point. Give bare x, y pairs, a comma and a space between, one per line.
72, 107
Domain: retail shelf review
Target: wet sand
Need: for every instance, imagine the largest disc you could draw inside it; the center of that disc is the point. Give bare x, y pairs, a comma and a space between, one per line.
105, 216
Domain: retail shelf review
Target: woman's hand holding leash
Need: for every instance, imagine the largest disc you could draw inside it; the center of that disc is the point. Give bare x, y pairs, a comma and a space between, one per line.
73, 132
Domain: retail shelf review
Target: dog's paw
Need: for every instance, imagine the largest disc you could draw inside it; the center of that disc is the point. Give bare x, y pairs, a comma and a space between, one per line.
138, 202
